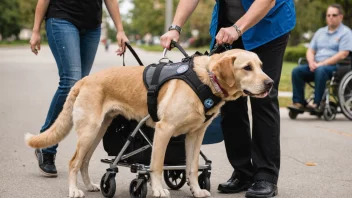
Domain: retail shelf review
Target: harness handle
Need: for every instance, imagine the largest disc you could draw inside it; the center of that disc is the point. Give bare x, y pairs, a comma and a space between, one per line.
178, 46
220, 48
134, 54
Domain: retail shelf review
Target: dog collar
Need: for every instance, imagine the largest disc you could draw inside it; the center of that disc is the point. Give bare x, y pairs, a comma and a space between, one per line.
216, 84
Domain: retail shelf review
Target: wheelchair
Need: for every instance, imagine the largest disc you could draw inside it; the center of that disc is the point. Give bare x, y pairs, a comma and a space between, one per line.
337, 97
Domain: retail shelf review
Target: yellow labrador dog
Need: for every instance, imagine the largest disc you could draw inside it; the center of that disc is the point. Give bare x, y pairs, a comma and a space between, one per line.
96, 99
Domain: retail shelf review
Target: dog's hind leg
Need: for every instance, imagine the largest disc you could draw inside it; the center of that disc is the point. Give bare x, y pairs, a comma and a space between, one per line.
87, 135
84, 168
163, 133
193, 144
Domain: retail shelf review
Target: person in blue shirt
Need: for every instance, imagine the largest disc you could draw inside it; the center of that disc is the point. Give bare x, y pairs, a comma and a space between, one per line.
329, 45
261, 26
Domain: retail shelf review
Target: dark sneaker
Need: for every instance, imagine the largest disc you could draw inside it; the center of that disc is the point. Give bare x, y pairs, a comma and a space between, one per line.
46, 163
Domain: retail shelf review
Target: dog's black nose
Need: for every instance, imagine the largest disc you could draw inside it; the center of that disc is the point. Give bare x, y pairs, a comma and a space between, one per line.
268, 84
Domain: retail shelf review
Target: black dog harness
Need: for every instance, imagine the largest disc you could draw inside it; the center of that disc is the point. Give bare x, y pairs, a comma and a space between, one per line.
155, 75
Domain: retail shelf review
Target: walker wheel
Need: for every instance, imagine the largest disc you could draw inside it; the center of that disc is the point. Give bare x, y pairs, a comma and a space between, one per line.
204, 181
138, 188
108, 188
175, 179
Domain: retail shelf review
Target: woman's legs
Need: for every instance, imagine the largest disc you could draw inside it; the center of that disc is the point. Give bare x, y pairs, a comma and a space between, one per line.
64, 42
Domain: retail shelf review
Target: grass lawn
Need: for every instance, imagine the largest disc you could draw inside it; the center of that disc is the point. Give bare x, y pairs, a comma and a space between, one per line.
16, 43
285, 82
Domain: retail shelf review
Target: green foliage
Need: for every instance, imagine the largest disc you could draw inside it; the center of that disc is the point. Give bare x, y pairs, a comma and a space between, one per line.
311, 16
9, 17
200, 20
15, 15
148, 16
292, 54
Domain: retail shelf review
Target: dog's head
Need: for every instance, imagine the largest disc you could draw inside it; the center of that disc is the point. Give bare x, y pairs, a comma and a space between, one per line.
239, 73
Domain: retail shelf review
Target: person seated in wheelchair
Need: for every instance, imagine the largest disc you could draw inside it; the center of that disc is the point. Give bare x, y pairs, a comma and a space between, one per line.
329, 45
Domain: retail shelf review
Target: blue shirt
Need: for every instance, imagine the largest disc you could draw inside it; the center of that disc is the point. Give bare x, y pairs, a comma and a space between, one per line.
280, 20
326, 44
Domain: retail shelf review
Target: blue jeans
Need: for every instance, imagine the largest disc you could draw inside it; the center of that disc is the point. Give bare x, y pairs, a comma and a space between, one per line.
74, 52
302, 74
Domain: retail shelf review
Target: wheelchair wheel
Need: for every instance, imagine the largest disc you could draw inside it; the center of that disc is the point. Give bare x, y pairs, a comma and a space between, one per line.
330, 113
138, 190
175, 179
345, 95
108, 188
292, 114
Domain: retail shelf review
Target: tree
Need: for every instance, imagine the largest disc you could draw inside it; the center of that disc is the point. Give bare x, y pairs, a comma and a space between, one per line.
26, 12
148, 16
9, 18
311, 16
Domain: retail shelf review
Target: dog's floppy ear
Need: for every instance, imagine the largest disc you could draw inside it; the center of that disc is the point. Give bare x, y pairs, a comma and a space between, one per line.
224, 70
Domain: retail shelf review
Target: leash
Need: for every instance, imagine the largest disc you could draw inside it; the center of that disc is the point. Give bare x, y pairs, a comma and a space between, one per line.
133, 53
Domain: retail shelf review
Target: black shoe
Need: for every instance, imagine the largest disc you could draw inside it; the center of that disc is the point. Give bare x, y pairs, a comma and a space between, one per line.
262, 189
234, 185
46, 163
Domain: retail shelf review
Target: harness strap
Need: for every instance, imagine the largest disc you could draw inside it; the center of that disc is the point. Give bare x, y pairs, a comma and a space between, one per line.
152, 94
134, 54
204, 93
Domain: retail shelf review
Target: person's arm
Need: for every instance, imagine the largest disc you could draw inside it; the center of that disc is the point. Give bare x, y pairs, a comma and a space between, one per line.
255, 13
184, 9
113, 8
310, 54
334, 59
40, 10
312, 49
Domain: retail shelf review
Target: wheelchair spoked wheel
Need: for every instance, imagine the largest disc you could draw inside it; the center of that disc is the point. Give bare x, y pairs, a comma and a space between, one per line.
175, 179
108, 188
345, 95
138, 188
330, 113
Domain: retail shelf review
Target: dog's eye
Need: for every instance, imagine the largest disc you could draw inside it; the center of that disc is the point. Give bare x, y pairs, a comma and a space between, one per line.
248, 68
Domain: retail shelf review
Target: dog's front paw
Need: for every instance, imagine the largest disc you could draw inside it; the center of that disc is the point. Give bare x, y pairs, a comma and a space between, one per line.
75, 192
93, 187
201, 193
159, 192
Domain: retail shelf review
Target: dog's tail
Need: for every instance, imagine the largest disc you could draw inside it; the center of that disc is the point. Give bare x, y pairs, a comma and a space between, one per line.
62, 125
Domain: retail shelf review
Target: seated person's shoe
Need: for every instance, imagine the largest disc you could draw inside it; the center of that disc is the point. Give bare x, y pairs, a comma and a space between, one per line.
297, 106
262, 189
46, 163
313, 109
234, 185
